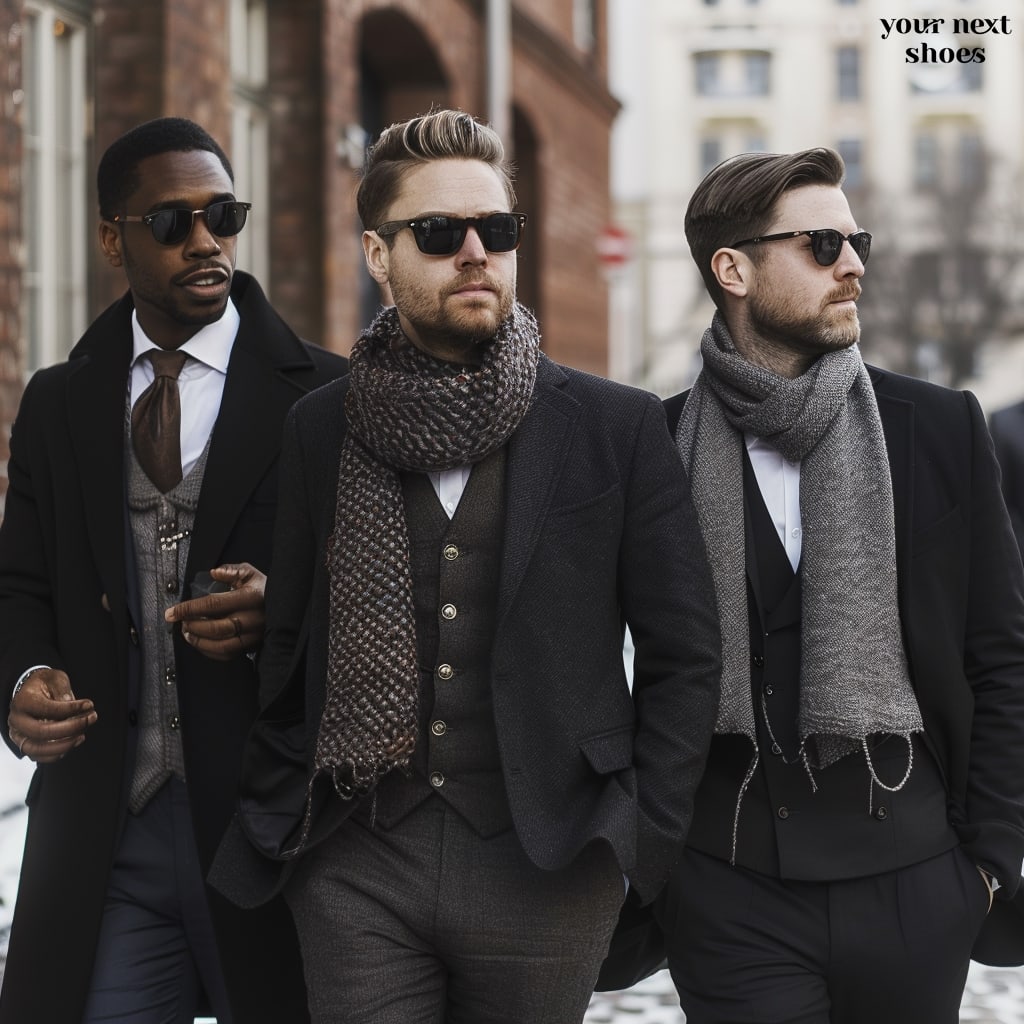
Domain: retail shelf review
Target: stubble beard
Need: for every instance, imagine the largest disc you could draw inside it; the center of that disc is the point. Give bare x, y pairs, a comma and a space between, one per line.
472, 324
830, 329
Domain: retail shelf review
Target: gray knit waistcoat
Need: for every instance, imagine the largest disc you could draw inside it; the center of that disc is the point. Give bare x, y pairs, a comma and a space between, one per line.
161, 528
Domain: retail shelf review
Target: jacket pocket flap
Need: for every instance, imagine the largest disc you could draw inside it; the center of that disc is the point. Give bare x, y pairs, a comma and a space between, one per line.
609, 751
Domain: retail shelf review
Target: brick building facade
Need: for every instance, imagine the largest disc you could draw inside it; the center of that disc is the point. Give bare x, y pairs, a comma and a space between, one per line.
293, 89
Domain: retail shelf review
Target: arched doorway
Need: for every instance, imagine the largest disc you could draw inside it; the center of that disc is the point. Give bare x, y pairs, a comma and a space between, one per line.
400, 76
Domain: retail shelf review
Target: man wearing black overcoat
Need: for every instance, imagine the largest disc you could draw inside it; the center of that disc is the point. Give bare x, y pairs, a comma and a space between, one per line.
133, 704
859, 830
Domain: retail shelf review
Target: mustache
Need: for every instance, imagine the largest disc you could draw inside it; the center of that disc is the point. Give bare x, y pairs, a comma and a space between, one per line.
471, 278
842, 294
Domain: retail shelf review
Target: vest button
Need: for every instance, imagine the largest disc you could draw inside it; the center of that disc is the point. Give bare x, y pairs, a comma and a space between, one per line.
451, 552
881, 814
445, 671
758, 660
436, 780
783, 812
171, 585
448, 612
768, 691
776, 750
174, 722
438, 728
133, 718
133, 635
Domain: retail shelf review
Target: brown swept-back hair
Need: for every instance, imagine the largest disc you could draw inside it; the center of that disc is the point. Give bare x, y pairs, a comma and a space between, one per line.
736, 200
439, 135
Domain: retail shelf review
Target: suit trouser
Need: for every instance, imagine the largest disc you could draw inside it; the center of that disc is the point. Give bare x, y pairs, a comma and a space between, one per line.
156, 953
427, 922
894, 948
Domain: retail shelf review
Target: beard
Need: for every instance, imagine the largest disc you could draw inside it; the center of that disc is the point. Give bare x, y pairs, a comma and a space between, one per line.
777, 321
444, 318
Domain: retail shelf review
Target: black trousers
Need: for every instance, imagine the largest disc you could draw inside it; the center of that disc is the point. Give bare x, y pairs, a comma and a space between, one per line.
745, 948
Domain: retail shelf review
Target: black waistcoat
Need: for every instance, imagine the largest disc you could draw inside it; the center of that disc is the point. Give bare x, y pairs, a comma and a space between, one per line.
848, 827
455, 569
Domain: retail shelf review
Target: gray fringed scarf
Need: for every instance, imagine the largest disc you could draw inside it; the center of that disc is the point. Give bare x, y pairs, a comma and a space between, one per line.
854, 679
405, 411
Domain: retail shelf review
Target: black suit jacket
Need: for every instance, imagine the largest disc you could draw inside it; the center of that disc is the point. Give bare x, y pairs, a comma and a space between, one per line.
961, 603
599, 528
67, 600
1007, 426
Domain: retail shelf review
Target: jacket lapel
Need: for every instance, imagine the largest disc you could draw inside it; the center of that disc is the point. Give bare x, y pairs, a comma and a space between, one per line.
897, 417
97, 397
247, 435
536, 454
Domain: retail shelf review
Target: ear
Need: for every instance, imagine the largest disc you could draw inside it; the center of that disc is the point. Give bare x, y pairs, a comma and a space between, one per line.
110, 243
378, 257
734, 271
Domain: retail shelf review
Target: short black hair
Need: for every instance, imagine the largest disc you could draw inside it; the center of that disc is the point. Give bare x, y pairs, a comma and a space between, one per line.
117, 176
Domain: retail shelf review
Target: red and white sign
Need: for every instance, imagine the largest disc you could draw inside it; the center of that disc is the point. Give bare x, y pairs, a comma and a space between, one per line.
614, 246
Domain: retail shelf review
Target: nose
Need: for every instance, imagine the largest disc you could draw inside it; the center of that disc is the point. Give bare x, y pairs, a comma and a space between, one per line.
472, 250
201, 240
849, 263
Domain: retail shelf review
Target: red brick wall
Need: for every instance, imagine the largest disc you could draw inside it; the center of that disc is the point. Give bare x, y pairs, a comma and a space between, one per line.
155, 57
298, 199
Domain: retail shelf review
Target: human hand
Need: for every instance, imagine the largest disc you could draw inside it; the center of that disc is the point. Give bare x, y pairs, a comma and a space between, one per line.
228, 623
46, 720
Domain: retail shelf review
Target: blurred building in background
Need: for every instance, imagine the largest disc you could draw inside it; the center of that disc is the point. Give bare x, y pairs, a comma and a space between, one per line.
294, 90
933, 141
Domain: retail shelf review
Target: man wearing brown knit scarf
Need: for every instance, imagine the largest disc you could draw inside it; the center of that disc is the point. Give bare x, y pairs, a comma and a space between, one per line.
450, 766
863, 796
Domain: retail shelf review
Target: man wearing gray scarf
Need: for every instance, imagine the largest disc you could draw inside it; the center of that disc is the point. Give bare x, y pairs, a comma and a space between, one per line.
450, 777
864, 798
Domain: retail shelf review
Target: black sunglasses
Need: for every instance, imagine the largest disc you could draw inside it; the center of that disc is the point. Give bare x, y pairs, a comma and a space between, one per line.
826, 243
438, 235
172, 226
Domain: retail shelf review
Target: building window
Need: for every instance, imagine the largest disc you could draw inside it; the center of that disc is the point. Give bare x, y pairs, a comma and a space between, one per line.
55, 183
848, 70
970, 161
926, 162
851, 150
584, 24
250, 133
757, 73
710, 154
707, 67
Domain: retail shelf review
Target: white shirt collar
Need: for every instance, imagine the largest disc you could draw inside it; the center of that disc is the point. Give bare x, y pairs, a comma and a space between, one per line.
210, 345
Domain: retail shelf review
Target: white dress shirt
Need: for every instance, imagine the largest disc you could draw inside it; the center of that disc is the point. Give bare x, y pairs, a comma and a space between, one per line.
449, 485
201, 384
779, 481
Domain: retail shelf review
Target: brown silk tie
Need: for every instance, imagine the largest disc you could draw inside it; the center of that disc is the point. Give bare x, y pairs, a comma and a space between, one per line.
156, 421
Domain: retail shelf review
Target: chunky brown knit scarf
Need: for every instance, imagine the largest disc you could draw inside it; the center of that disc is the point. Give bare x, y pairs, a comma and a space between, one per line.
405, 411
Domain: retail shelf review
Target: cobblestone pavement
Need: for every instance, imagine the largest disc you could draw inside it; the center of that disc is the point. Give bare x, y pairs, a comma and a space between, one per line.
993, 996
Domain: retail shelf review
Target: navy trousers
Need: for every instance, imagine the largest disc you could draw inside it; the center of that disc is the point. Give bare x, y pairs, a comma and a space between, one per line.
156, 959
